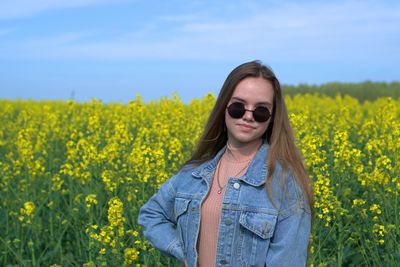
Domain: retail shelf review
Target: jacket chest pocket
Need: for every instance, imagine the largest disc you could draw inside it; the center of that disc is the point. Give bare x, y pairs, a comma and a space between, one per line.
182, 219
256, 230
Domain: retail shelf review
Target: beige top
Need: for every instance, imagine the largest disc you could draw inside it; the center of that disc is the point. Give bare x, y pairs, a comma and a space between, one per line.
233, 163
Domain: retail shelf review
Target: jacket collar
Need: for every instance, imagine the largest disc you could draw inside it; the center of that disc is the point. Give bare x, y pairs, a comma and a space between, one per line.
255, 174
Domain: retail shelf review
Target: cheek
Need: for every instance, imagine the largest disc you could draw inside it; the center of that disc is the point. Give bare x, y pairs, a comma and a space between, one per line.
228, 120
264, 127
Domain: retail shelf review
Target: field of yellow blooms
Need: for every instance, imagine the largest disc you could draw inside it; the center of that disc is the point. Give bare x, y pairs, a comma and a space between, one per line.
73, 176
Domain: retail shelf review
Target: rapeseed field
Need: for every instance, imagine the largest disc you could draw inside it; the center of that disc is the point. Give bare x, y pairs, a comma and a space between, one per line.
74, 175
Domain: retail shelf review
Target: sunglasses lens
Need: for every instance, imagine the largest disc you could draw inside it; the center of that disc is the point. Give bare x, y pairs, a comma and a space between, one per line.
261, 114
236, 110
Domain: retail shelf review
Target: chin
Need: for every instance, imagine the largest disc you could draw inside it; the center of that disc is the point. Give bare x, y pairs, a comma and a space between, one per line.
246, 139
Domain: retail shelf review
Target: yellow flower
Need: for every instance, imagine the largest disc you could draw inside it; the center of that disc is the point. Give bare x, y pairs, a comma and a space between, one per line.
57, 182
375, 208
130, 255
29, 208
90, 199
27, 212
108, 180
358, 202
115, 212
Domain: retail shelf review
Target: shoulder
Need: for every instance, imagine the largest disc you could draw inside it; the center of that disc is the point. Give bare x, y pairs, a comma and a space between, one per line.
189, 172
287, 190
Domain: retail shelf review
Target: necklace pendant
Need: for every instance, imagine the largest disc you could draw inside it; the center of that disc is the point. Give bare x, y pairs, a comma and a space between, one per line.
219, 191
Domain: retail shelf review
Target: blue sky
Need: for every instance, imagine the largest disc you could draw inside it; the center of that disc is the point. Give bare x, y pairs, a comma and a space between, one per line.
115, 49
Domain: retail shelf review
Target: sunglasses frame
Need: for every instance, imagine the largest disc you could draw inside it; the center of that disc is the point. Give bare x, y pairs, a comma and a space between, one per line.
257, 117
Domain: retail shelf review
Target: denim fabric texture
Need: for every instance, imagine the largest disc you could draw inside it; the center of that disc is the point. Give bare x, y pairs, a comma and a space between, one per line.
253, 230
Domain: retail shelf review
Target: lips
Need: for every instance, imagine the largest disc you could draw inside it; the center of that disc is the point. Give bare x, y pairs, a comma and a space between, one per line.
246, 126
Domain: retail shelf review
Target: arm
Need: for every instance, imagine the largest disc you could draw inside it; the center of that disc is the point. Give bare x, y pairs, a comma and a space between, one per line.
157, 218
289, 243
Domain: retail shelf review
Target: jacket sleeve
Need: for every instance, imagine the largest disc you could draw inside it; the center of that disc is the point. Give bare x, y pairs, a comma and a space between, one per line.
157, 218
289, 243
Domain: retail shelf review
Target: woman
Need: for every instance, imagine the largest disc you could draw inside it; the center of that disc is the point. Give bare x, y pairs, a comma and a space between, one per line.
244, 197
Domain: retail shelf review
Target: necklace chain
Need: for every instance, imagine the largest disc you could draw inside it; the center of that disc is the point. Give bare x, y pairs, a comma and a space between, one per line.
218, 174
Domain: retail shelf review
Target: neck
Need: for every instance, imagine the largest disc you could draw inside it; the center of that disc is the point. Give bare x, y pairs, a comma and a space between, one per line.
245, 152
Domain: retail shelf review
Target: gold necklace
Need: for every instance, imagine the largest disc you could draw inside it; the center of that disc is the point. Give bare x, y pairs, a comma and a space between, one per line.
218, 174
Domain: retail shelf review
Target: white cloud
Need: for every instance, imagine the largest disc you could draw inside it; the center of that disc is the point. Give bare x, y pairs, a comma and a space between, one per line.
10, 9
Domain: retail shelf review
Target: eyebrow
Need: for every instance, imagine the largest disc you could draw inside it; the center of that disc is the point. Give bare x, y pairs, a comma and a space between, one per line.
259, 103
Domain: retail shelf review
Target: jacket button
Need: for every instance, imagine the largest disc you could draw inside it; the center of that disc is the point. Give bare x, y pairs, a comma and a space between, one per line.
236, 185
228, 221
223, 262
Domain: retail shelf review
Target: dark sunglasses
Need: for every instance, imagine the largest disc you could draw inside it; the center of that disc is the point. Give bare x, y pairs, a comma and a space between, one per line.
237, 110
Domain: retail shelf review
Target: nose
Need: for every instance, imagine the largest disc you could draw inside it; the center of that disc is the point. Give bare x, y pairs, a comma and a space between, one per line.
248, 115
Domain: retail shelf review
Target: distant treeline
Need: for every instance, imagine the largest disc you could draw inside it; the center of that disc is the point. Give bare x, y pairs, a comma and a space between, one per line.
362, 91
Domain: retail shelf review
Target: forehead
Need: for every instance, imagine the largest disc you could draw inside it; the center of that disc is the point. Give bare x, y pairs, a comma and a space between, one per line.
254, 90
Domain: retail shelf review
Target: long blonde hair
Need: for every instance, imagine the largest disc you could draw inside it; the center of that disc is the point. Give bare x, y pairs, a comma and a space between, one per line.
279, 133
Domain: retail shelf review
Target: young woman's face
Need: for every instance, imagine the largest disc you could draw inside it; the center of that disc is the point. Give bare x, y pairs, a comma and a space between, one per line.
252, 93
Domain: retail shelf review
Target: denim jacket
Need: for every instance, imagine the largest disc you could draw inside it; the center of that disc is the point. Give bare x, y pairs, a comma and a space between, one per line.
253, 230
